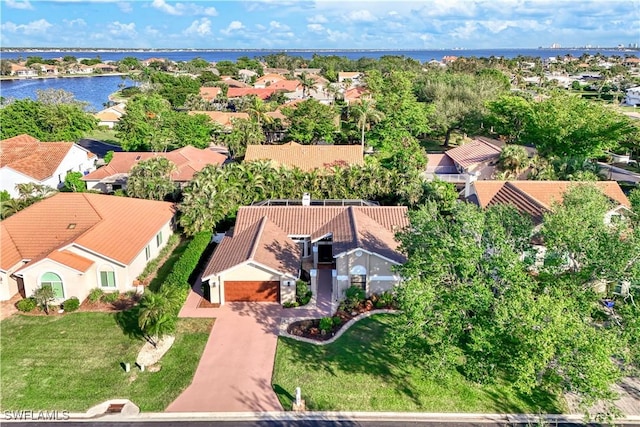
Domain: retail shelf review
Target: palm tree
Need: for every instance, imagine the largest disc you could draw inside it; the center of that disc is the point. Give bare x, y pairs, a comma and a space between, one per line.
308, 84
513, 158
156, 316
257, 110
365, 114
151, 179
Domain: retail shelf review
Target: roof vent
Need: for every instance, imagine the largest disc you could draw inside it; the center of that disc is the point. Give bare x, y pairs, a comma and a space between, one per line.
306, 199
71, 226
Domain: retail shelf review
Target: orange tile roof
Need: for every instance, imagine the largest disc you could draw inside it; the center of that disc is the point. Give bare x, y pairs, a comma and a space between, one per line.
209, 93
223, 118
286, 85
118, 228
107, 116
537, 197
188, 161
306, 157
474, 152
27, 155
271, 77
71, 260
262, 93
262, 234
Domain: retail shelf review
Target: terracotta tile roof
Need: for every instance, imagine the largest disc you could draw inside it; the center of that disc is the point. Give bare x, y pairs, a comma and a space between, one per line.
271, 77
286, 85
115, 227
537, 197
233, 83
262, 93
262, 234
209, 93
223, 118
31, 157
436, 160
71, 260
306, 157
474, 152
107, 116
349, 75
188, 161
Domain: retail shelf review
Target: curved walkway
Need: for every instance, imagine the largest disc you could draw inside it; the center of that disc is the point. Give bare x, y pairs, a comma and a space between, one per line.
235, 370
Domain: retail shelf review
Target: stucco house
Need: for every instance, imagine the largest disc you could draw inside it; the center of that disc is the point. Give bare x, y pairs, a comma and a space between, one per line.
84, 241
188, 160
111, 115
25, 159
306, 157
261, 258
632, 96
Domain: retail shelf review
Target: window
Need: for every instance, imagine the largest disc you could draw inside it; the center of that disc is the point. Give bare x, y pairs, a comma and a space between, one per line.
359, 280
107, 278
55, 281
159, 239
147, 252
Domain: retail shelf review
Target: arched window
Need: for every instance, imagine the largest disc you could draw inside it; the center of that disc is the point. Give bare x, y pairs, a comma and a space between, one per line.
107, 277
359, 276
55, 281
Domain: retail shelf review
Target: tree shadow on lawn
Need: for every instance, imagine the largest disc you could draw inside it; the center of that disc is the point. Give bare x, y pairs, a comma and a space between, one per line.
127, 320
363, 349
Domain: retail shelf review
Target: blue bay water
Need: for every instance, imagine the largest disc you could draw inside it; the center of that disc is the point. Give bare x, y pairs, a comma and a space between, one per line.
95, 90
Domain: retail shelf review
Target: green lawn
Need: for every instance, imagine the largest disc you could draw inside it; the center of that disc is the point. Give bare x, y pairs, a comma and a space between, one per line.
359, 372
104, 135
72, 362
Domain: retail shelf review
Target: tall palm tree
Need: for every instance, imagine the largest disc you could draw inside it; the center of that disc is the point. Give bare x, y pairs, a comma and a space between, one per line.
513, 158
365, 113
308, 84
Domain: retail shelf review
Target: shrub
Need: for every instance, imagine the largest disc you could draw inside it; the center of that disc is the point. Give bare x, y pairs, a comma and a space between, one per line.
385, 299
337, 321
72, 304
326, 324
110, 297
354, 296
26, 305
290, 304
303, 292
184, 267
95, 295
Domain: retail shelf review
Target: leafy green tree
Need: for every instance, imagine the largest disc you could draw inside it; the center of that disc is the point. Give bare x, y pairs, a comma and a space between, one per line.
108, 157
509, 114
151, 179
44, 296
244, 132
143, 122
5, 67
311, 122
73, 182
227, 68
130, 62
569, 126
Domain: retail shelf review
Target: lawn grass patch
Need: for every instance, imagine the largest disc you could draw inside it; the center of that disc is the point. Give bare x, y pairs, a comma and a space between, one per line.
72, 362
360, 372
103, 134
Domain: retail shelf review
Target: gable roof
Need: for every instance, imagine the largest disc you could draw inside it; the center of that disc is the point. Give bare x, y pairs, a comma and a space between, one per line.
28, 155
537, 197
209, 93
115, 227
223, 118
188, 161
286, 85
262, 234
306, 157
262, 93
474, 152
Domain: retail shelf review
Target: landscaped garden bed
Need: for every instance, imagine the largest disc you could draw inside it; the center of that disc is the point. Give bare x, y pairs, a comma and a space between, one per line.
354, 305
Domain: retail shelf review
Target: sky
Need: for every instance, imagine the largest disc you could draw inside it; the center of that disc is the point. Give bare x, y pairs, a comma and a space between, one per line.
321, 24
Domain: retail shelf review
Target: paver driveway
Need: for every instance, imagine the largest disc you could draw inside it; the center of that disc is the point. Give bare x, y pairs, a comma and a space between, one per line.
234, 374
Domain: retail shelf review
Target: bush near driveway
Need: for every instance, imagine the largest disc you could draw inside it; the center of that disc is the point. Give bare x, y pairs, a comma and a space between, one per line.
72, 363
359, 372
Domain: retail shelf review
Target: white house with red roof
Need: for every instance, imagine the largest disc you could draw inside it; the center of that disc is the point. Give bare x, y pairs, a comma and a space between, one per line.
25, 159
84, 241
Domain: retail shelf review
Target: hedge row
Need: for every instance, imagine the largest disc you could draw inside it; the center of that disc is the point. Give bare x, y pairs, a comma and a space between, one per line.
184, 267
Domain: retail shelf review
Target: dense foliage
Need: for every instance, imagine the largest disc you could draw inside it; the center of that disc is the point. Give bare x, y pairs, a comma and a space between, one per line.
151, 179
473, 303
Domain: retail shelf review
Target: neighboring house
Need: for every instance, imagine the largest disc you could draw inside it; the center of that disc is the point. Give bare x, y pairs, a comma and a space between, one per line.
246, 75
354, 94
188, 161
80, 69
223, 118
82, 241
267, 80
535, 198
633, 96
22, 71
111, 115
106, 68
448, 59
46, 69
239, 92
209, 93
231, 82
478, 157
262, 258
306, 157
24, 159
354, 77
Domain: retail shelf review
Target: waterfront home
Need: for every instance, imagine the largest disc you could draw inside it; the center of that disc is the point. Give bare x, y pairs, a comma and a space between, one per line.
22, 71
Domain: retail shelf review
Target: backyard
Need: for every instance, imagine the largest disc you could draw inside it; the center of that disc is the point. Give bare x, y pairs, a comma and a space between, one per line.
73, 362
360, 372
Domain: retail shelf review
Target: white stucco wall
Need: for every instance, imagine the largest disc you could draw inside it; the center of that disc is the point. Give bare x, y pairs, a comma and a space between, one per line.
9, 178
379, 274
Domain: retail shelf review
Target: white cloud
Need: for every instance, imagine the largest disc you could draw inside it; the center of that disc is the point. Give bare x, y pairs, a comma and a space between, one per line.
75, 22
315, 28
199, 27
360, 16
233, 26
466, 31
180, 9
261, 27
120, 29
318, 19
278, 26
335, 36
35, 27
150, 31
19, 4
